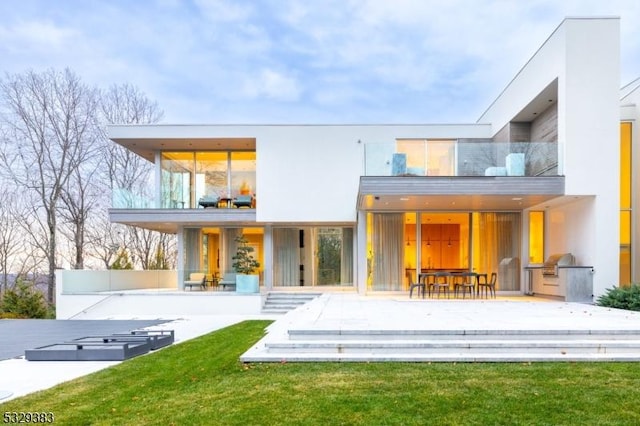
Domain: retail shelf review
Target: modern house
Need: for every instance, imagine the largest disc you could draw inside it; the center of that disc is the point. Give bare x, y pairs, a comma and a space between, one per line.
547, 169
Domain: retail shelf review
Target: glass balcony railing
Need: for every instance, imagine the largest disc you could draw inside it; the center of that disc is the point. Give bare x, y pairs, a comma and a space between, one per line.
126, 199
461, 158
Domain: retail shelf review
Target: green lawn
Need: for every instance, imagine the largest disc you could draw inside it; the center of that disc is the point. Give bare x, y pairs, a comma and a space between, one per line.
202, 382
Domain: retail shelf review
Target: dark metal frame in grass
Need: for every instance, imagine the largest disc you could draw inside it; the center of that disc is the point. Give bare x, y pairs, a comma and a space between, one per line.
114, 347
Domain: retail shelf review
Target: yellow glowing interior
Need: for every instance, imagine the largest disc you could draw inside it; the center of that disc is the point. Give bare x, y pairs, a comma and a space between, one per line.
625, 203
536, 237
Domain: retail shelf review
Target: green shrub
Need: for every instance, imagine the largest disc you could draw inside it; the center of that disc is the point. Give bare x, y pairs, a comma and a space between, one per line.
622, 298
22, 301
122, 261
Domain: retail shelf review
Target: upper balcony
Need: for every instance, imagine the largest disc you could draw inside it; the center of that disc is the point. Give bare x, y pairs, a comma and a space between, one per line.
191, 180
461, 157
459, 174
187, 185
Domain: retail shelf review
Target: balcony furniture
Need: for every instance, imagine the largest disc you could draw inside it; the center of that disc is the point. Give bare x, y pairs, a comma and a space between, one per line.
415, 171
228, 279
495, 171
196, 279
398, 164
243, 201
226, 201
487, 287
514, 163
208, 201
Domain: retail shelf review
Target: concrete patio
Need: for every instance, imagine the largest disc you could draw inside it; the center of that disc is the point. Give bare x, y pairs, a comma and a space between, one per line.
349, 327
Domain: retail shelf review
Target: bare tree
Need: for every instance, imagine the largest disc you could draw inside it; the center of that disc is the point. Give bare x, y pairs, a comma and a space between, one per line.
47, 117
129, 173
125, 104
105, 239
10, 236
79, 198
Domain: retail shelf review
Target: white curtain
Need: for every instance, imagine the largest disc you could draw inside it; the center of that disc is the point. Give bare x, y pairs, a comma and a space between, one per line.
388, 251
192, 251
286, 257
230, 247
346, 262
500, 242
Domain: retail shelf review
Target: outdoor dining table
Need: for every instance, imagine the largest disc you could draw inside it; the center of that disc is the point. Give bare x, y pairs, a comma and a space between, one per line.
452, 280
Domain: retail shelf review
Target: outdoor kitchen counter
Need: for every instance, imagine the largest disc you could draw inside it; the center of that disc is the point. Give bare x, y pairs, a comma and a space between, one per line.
573, 283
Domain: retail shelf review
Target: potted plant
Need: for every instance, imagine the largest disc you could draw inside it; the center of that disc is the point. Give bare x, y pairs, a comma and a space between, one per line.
245, 266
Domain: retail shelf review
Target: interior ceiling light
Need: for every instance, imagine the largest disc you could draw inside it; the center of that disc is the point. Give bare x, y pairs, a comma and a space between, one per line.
404, 199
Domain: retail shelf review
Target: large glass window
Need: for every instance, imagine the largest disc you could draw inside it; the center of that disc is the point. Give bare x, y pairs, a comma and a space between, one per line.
243, 173
177, 171
188, 176
211, 250
496, 239
625, 204
313, 256
444, 241
441, 158
428, 157
401, 244
536, 237
212, 174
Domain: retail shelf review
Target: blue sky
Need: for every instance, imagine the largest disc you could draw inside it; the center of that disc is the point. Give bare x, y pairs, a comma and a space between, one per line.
307, 61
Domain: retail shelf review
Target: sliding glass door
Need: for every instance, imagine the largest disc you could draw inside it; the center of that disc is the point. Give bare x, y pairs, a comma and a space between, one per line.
402, 245
497, 247
312, 256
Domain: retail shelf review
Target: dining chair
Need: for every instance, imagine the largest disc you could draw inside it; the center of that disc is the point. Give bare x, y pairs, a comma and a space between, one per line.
466, 283
488, 287
441, 284
419, 285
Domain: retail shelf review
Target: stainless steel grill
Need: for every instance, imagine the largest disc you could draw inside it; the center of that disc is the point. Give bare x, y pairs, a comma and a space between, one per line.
550, 267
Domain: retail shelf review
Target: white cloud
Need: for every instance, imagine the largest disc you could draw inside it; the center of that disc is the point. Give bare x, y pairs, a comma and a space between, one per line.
273, 85
329, 61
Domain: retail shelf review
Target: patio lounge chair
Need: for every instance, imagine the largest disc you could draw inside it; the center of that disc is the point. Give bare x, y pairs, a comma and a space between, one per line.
197, 279
228, 279
243, 201
208, 201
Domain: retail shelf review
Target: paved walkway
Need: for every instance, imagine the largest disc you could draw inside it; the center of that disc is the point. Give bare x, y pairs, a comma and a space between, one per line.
20, 377
19, 335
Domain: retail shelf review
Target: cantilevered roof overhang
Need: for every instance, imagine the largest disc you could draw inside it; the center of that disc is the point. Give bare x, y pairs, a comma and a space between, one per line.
146, 140
473, 193
171, 220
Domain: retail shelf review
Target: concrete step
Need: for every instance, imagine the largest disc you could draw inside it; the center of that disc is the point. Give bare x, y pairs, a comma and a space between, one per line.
451, 357
361, 334
287, 306
282, 302
274, 311
443, 347
359, 345
279, 294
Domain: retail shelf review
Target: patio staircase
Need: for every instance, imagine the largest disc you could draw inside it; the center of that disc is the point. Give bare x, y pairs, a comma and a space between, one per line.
278, 302
357, 345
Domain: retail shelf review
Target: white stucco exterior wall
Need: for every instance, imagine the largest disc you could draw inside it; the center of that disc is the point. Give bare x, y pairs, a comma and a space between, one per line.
592, 135
306, 176
583, 54
311, 174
